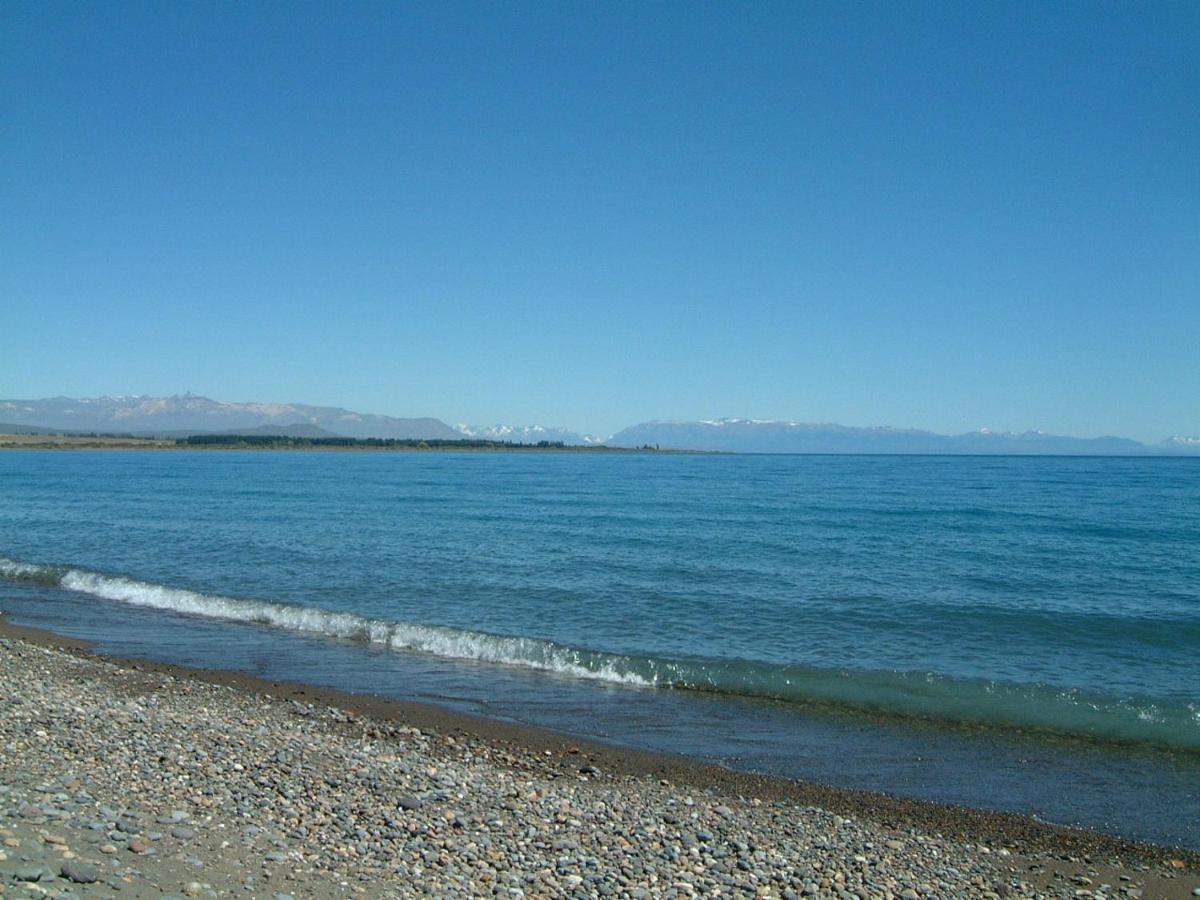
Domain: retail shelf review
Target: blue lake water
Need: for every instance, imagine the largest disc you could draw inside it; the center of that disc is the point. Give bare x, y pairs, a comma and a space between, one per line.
1018, 633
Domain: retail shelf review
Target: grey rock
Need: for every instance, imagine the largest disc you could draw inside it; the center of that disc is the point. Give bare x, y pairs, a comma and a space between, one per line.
28, 873
80, 872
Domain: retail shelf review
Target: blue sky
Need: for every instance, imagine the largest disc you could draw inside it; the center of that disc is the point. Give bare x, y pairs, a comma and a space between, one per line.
938, 215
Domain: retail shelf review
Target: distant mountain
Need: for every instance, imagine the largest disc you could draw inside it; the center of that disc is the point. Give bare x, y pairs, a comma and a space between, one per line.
766, 436
191, 414
526, 434
1182, 442
298, 430
10, 428
179, 416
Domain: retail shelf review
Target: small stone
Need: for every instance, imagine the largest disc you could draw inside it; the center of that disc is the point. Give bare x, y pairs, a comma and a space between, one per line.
80, 872
410, 803
183, 834
28, 873
128, 825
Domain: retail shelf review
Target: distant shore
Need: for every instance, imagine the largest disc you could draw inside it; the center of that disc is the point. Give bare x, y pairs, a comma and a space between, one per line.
329, 794
258, 442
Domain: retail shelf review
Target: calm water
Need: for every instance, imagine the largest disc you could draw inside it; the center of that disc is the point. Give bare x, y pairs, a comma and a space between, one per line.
900, 623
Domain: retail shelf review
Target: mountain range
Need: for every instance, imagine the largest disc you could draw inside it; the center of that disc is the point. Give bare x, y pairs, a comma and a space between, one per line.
528, 434
772, 436
186, 414
189, 414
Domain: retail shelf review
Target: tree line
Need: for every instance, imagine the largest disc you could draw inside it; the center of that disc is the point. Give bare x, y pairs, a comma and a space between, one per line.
268, 440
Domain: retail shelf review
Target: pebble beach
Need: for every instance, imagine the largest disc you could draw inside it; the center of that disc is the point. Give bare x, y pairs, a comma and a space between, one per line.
120, 778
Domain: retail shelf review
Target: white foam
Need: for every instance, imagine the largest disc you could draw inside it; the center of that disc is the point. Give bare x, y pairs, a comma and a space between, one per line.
449, 643
12, 569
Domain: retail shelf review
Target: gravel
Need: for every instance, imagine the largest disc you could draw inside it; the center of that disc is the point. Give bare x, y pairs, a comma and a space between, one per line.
115, 780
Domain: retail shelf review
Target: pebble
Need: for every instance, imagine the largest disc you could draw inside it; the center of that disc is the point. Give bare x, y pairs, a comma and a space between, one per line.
376, 808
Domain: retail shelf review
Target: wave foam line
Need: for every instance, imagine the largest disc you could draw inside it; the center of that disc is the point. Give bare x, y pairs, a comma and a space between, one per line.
450, 643
924, 695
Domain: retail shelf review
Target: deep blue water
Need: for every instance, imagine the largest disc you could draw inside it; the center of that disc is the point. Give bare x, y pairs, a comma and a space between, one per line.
942, 606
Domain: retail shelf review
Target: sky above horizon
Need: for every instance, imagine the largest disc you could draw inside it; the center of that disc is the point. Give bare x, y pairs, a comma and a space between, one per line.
935, 215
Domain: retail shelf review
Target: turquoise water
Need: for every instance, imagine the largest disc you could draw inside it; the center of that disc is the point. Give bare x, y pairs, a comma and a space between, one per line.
1058, 596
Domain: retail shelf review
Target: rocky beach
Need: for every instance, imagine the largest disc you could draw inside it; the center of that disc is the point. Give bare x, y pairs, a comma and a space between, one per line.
148, 780
136, 779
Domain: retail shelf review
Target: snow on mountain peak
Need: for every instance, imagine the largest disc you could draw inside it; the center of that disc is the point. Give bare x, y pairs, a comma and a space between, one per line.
526, 434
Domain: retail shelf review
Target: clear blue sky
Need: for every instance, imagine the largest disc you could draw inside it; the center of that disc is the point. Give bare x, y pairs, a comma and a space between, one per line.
939, 215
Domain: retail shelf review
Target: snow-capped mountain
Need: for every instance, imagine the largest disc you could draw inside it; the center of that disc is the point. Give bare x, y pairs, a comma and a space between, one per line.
777, 436
527, 434
189, 413
1182, 442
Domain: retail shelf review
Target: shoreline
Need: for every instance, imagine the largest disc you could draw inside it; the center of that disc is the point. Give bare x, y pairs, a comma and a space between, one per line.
404, 445
1027, 841
69, 442
17, 442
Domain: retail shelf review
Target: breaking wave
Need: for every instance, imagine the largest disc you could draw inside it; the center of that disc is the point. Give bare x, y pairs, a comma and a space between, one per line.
921, 695
451, 643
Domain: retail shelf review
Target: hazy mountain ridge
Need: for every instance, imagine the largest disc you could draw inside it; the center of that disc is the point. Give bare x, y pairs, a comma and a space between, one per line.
193, 414
179, 416
527, 434
770, 436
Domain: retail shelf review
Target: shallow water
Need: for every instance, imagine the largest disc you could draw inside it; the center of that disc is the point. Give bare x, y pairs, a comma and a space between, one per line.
896, 623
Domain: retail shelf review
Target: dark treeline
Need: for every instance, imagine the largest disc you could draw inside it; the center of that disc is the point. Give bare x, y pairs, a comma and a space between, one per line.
266, 440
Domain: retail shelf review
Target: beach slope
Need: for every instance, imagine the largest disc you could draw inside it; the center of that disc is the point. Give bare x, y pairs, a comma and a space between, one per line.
147, 780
